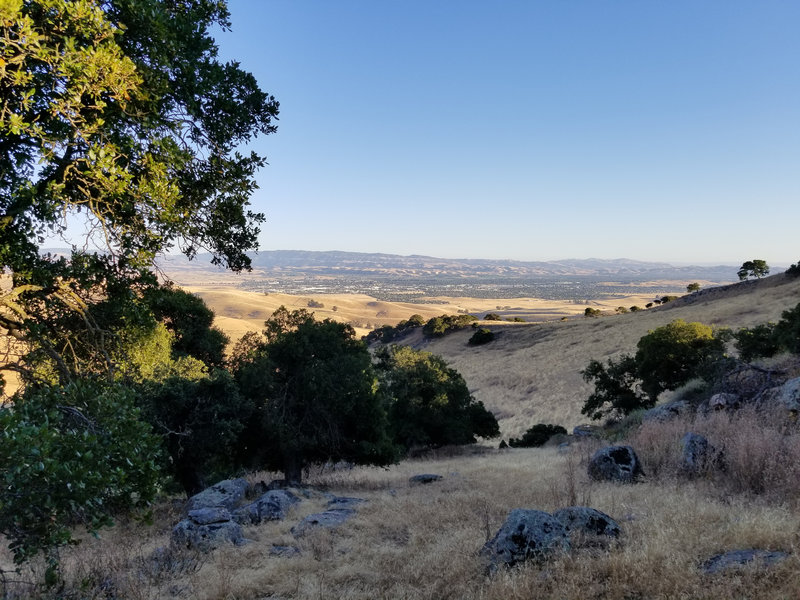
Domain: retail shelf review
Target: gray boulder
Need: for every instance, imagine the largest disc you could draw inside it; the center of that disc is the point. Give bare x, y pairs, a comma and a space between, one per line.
424, 478
587, 527
615, 463
665, 412
525, 535
697, 455
192, 535
740, 558
272, 506
330, 518
720, 402
206, 516
586, 431
226, 494
786, 395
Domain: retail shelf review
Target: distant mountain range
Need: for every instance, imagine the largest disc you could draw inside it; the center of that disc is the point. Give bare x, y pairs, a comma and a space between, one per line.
378, 265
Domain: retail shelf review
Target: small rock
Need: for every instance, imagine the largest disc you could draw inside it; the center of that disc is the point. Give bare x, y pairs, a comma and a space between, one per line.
739, 558
786, 395
526, 534
284, 551
587, 527
615, 463
344, 502
720, 402
330, 518
586, 431
424, 478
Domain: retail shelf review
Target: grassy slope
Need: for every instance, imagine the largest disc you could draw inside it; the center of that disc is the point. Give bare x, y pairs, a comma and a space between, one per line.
531, 372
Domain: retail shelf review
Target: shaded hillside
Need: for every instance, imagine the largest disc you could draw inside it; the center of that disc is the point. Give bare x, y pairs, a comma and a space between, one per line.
531, 372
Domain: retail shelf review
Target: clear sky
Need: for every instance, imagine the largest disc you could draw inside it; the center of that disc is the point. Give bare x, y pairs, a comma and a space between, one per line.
529, 130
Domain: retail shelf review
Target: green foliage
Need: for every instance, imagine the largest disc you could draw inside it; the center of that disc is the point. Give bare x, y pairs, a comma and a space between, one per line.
756, 342
616, 388
315, 396
387, 333
439, 326
693, 287
621, 310
537, 436
669, 356
753, 268
315, 304
635, 308
200, 420
668, 298
492, 317
190, 322
429, 403
592, 312
481, 336
71, 455
787, 330
794, 270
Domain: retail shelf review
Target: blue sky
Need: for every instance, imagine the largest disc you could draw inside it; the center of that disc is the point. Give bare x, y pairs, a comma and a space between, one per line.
532, 130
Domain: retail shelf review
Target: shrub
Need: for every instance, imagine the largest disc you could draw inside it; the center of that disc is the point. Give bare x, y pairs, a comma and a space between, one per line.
794, 270
315, 304
620, 310
787, 330
591, 312
756, 342
616, 388
71, 455
492, 317
439, 326
536, 436
635, 308
481, 336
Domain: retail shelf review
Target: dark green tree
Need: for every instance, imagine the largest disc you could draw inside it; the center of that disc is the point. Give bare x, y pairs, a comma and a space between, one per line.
756, 342
592, 312
315, 396
481, 336
787, 330
693, 287
753, 268
429, 403
617, 388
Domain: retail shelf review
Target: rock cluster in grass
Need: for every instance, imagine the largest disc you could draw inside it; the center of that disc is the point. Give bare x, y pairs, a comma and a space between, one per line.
215, 516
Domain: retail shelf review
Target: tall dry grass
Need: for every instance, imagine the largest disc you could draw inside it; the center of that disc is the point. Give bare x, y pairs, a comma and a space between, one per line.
422, 541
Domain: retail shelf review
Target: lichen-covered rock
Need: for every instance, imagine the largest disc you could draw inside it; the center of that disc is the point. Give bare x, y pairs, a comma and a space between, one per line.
272, 506
720, 402
206, 516
330, 518
424, 478
697, 455
740, 558
226, 494
525, 535
786, 395
615, 463
587, 527
204, 537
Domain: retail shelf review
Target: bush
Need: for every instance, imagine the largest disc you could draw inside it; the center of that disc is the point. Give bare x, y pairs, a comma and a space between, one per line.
756, 342
787, 330
315, 304
592, 312
536, 436
481, 336
439, 326
71, 455
669, 356
616, 388
492, 317
794, 270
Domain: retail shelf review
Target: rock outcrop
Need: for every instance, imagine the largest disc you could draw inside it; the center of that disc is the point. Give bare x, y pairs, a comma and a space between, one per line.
526, 534
587, 527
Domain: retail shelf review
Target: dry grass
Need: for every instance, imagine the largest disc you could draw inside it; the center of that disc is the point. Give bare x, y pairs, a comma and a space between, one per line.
422, 541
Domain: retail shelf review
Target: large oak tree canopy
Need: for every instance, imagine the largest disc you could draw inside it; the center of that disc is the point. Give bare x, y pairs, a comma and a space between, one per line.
119, 113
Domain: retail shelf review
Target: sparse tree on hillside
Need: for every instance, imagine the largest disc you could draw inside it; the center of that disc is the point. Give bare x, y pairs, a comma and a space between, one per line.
753, 268
693, 287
